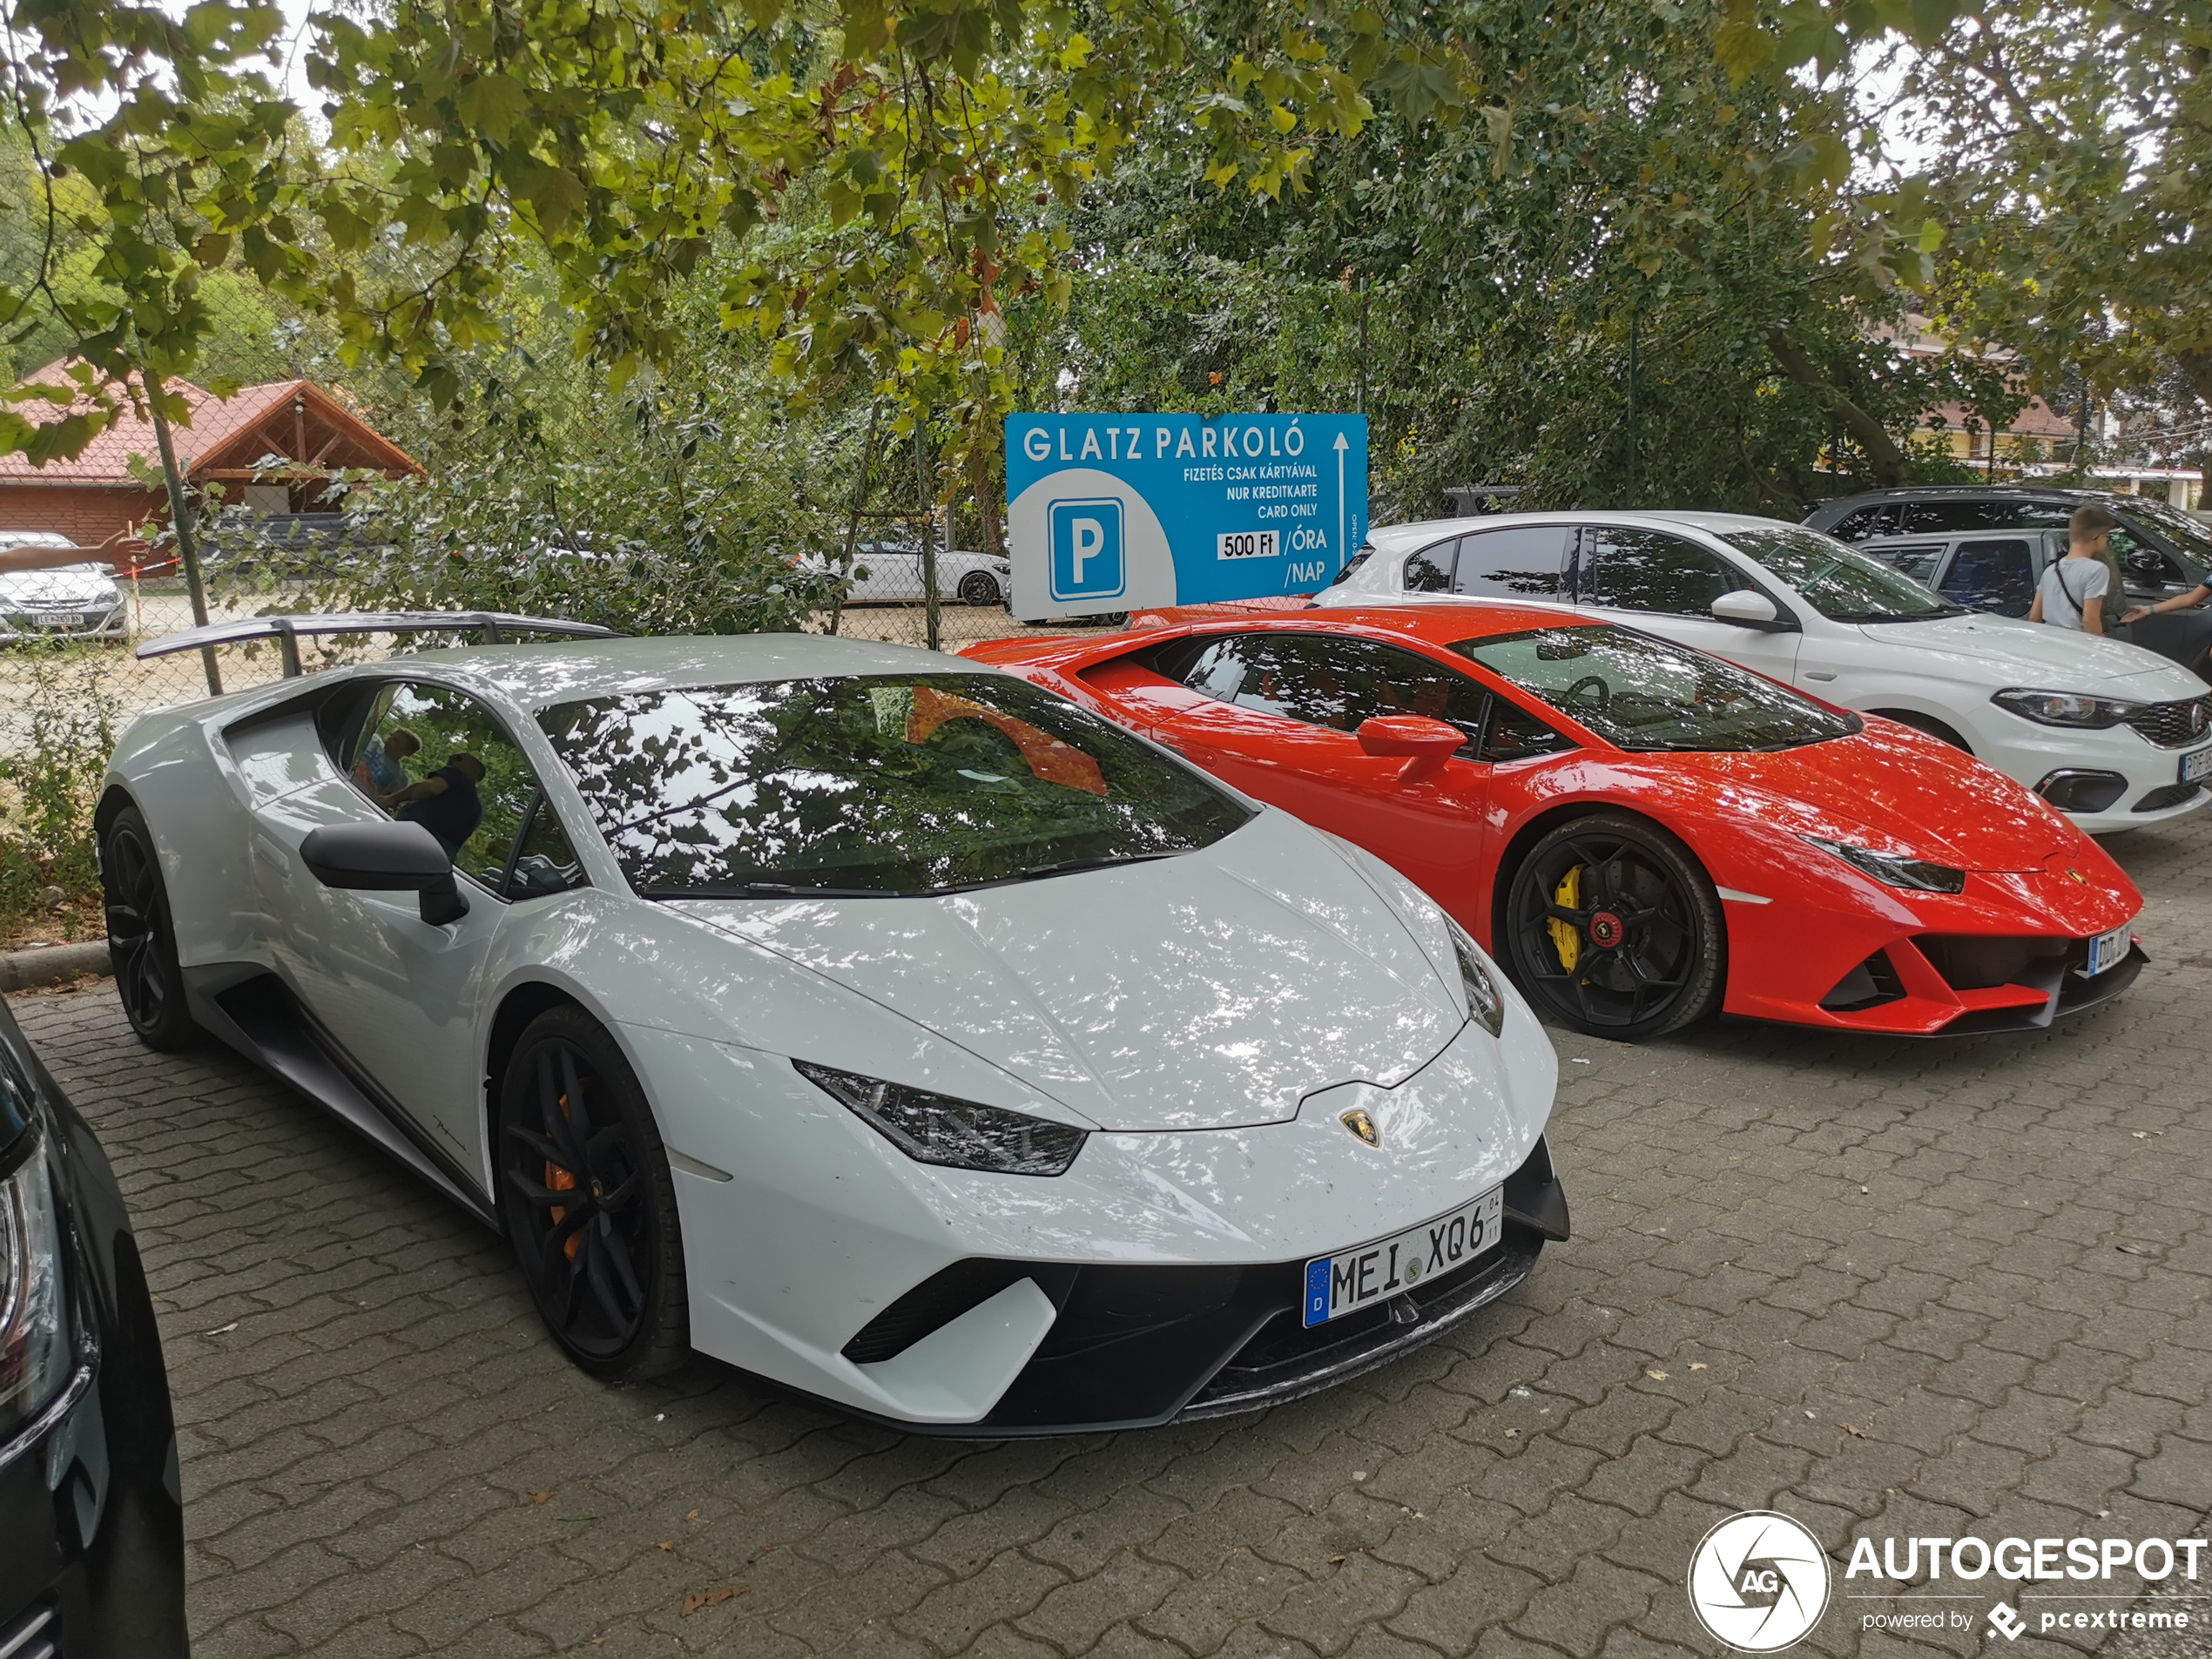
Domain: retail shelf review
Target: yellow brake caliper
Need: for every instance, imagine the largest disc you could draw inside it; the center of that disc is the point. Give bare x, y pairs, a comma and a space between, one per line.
1566, 939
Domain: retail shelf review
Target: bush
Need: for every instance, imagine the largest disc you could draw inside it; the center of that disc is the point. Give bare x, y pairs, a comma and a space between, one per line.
61, 730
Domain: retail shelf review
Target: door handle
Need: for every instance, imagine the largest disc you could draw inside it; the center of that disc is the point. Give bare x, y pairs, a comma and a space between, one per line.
1817, 674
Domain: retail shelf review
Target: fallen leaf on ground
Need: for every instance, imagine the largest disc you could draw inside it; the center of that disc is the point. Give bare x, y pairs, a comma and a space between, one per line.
1697, 1365
699, 1601
667, 1546
220, 1328
694, 1515
540, 1497
1656, 1376
1856, 1433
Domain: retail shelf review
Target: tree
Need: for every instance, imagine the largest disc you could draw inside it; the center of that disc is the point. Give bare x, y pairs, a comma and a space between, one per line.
2071, 146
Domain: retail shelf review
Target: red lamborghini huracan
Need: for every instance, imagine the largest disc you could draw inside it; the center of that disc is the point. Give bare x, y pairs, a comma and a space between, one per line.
1640, 833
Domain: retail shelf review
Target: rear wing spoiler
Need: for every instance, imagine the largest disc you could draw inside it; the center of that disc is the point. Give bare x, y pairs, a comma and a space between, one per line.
496, 626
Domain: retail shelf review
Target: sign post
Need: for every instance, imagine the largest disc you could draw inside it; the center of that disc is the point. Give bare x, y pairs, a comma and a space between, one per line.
1109, 513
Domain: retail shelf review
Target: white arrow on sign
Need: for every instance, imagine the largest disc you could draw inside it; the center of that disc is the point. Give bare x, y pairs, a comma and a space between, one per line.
1343, 444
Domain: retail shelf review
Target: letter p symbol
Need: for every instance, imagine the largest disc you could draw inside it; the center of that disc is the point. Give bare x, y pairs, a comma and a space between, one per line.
1087, 550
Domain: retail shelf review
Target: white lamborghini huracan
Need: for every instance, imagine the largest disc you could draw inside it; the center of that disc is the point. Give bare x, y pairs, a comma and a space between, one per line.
878, 1023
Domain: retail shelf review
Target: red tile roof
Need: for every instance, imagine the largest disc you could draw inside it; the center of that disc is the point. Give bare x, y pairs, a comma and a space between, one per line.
221, 434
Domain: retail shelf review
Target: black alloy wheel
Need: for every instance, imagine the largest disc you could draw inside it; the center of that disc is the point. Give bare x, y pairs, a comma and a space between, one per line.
978, 588
1613, 929
587, 1197
141, 938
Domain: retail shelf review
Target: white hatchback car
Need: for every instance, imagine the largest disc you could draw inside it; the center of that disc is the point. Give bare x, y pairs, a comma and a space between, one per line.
2114, 736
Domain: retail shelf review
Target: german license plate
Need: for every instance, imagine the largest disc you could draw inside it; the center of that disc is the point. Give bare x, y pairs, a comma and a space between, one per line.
2196, 766
2108, 948
1371, 1274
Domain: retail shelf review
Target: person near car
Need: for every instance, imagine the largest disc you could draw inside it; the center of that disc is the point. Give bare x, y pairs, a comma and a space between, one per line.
2072, 592
2197, 595
445, 803
378, 770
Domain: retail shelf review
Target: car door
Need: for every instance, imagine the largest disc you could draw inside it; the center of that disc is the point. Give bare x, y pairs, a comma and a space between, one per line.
1666, 584
1996, 574
1277, 715
402, 998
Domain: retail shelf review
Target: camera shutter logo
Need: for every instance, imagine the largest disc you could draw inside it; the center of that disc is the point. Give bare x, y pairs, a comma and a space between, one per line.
1758, 1581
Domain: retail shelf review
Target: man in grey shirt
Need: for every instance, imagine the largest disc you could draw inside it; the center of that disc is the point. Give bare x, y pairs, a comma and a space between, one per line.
2072, 592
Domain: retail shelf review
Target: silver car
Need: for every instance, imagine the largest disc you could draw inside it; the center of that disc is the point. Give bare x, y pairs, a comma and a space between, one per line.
66, 602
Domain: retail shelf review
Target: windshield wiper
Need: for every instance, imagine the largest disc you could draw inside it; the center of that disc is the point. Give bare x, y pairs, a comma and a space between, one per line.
769, 890
1068, 866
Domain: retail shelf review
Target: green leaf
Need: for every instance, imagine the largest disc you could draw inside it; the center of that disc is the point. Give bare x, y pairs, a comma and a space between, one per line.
492, 104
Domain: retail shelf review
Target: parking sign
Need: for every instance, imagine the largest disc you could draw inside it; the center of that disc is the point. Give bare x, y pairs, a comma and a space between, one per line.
1087, 550
1120, 512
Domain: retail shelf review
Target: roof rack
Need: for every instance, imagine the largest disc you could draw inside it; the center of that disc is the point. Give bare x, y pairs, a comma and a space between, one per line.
496, 626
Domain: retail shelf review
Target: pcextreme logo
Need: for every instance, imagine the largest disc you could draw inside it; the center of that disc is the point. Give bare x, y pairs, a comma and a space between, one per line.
1758, 1581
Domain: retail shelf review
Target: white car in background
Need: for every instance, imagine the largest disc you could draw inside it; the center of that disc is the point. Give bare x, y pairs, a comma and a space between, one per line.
890, 573
79, 601
874, 1021
2114, 736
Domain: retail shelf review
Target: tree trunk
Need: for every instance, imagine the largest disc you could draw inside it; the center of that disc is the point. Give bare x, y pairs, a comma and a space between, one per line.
1888, 461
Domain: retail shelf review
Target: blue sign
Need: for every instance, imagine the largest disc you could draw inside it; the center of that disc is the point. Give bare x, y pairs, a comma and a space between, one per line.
1124, 512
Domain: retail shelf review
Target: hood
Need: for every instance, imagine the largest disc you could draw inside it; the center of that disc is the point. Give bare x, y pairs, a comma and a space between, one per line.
2035, 655
1212, 991
72, 584
1900, 791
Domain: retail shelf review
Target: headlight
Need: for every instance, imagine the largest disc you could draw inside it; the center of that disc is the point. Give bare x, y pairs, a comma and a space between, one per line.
1485, 1006
1916, 874
2067, 708
937, 1129
34, 1333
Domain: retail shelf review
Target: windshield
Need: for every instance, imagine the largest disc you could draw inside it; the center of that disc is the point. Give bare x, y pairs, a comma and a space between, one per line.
1639, 692
872, 786
2190, 535
1842, 583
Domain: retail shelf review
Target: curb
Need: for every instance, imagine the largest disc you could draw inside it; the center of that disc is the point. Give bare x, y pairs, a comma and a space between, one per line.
53, 964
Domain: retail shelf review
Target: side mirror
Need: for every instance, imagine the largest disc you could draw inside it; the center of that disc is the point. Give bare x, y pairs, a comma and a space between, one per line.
1746, 608
387, 858
1426, 743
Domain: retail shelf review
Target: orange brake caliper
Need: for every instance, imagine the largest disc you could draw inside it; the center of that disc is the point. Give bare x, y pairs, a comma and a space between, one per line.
560, 1180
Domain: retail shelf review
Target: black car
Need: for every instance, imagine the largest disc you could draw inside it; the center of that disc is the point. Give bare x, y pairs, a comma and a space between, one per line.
2162, 550
92, 1524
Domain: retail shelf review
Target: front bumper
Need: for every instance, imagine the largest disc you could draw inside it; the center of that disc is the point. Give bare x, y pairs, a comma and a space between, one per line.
955, 1302
1136, 1347
2146, 788
19, 627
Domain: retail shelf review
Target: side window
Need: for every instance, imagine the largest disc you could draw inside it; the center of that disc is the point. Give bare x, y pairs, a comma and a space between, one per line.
1917, 559
1996, 576
1430, 569
1952, 515
1633, 569
1322, 679
1522, 562
1514, 734
544, 862
2148, 570
436, 756
1867, 521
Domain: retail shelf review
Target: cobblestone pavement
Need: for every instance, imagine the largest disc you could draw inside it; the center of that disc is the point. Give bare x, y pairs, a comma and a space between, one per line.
1890, 1289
